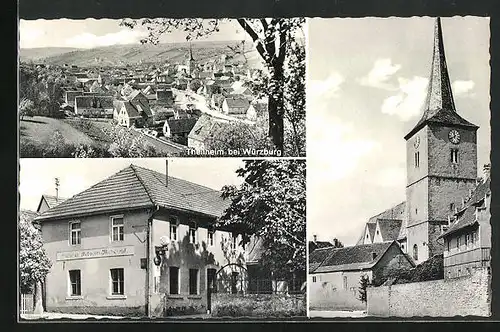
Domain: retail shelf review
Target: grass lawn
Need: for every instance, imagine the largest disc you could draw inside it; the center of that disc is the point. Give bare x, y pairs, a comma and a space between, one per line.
39, 130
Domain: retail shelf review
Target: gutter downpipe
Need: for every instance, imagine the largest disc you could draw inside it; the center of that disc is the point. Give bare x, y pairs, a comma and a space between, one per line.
149, 275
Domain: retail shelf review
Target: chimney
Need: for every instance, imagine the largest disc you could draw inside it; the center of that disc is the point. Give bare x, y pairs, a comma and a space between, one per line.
486, 171
315, 238
57, 188
166, 172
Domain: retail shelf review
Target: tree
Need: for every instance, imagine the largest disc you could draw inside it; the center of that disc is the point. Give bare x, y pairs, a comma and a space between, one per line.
271, 204
127, 145
271, 37
26, 108
295, 101
238, 135
363, 284
33, 261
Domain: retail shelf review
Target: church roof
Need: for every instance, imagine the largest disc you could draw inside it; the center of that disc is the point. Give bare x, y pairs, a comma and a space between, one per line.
136, 187
467, 215
395, 212
389, 229
439, 106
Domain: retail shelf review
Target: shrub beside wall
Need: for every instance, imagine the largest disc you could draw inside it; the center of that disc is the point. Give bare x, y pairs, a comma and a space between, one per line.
258, 305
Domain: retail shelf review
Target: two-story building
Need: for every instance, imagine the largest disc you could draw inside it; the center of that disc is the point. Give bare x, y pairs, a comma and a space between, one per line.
467, 239
139, 243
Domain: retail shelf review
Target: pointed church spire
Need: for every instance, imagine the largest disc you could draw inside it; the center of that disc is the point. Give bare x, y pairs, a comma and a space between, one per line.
439, 105
190, 52
439, 94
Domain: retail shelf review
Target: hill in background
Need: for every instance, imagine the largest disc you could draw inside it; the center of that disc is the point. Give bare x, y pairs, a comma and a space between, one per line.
136, 53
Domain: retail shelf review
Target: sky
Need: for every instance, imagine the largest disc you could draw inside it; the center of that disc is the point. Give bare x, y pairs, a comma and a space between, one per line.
366, 83
37, 176
90, 33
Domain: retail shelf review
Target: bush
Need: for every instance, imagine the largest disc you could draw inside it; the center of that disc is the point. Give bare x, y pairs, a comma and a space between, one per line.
431, 269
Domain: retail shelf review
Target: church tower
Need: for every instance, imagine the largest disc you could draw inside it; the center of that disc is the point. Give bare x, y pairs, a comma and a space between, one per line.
190, 63
441, 161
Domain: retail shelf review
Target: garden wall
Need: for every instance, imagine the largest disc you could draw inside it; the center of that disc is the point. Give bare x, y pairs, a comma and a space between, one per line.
258, 305
469, 295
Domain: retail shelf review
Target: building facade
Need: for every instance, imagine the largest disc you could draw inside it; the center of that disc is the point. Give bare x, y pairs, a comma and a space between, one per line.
139, 243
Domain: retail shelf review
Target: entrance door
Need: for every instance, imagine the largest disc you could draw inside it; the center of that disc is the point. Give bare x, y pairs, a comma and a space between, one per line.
211, 286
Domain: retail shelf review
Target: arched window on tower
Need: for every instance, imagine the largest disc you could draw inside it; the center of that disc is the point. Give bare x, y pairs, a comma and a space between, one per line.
415, 252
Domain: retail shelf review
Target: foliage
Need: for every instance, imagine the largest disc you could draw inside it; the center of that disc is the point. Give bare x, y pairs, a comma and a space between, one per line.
33, 261
271, 38
271, 204
295, 101
431, 269
26, 108
364, 281
127, 145
239, 136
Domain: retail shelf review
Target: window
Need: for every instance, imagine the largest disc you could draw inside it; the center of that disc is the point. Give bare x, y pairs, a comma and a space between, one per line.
314, 279
417, 159
116, 228
467, 239
415, 252
174, 222
174, 279
75, 281
156, 284
378, 232
458, 243
192, 232
117, 282
75, 233
448, 245
452, 207
211, 236
403, 247
193, 281
416, 211
454, 156
345, 282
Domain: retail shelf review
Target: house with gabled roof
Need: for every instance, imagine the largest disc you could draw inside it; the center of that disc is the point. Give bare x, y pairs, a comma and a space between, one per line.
467, 237
235, 105
138, 243
96, 106
335, 273
203, 130
48, 202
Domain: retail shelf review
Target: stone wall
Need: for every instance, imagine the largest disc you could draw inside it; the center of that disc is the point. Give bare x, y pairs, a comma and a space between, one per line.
466, 296
258, 305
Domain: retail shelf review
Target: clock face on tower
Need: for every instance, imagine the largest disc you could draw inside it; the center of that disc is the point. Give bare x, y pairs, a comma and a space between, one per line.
454, 136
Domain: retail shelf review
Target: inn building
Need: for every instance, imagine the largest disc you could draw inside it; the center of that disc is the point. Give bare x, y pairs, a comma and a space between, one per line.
139, 243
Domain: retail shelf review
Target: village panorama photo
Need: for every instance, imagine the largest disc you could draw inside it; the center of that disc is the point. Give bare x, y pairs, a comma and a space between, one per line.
399, 219
190, 238
161, 87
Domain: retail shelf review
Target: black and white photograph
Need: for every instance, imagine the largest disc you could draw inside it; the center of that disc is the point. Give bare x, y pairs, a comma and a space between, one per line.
161, 87
204, 238
398, 220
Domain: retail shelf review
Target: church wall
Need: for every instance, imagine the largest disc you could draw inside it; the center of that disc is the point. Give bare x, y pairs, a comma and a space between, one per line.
416, 173
440, 147
443, 192
417, 235
417, 202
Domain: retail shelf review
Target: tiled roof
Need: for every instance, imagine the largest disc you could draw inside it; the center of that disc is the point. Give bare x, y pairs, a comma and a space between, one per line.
203, 128
389, 229
136, 187
181, 126
237, 101
395, 212
317, 257
53, 200
313, 245
352, 258
90, 101
467, 215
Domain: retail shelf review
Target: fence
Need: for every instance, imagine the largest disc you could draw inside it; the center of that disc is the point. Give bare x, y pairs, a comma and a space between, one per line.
27, 304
